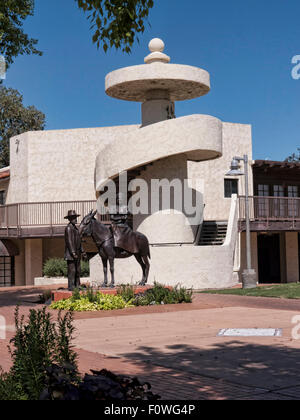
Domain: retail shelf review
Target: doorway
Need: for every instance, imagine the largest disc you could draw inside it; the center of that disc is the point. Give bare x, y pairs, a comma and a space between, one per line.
7, 271
269, 268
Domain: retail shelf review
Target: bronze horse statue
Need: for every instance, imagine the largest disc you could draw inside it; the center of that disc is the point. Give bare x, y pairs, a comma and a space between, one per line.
103, 237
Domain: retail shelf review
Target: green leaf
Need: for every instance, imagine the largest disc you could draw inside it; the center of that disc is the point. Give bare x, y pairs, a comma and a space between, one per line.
119, 22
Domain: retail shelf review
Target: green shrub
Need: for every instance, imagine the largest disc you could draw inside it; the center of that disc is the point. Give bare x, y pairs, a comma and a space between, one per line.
55, 267
161, 295
91, 301
76, 295
126, 291
95, 386
58, 267
9, 389
36, 346
85, 269
45, 367
91, 295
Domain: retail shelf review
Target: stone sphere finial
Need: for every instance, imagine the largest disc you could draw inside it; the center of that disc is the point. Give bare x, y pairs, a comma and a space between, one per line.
156, 47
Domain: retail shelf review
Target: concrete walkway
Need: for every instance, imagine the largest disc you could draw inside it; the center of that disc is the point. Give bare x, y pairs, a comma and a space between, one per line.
176, 348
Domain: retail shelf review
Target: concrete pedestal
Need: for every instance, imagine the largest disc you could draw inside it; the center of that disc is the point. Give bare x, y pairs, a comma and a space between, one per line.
249, 279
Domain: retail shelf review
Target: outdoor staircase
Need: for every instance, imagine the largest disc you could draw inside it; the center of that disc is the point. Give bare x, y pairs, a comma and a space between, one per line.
213, 233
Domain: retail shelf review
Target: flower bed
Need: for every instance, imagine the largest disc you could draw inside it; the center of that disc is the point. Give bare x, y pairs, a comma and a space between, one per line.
84, 303
123, 297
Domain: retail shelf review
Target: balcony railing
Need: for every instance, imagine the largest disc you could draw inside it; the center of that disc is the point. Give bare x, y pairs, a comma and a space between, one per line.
41, 219
271, 209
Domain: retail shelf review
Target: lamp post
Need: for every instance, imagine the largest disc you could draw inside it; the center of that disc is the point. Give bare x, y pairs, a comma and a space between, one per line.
249, 277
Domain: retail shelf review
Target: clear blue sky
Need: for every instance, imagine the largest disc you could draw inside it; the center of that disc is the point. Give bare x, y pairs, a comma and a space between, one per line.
247, 47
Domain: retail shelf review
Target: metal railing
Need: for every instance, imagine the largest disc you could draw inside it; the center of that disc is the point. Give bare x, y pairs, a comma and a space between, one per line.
26, 215
271, 208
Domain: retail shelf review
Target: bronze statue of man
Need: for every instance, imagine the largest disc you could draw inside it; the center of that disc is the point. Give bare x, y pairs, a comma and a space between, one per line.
73, 250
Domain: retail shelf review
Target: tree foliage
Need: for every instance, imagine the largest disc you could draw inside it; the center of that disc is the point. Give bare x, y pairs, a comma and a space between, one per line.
15, 119
295, 157
117, 23
13, 40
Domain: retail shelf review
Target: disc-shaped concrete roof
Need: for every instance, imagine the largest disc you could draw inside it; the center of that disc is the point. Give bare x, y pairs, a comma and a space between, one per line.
180, 81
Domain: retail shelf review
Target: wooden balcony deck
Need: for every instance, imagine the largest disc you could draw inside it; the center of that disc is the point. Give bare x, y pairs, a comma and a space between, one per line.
41, 220
271, 214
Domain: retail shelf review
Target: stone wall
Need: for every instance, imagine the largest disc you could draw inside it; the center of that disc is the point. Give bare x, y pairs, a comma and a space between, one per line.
57, 165
237, 141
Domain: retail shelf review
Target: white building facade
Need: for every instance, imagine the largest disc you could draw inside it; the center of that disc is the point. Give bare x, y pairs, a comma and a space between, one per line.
52, 172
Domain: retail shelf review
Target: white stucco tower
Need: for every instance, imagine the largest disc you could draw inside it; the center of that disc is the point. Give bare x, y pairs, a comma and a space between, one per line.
178, 151
162, 146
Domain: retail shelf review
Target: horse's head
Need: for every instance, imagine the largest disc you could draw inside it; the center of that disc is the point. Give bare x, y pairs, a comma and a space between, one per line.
85, 228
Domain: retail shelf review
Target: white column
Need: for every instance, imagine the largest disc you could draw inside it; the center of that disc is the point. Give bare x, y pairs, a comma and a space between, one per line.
292, 258
33, 260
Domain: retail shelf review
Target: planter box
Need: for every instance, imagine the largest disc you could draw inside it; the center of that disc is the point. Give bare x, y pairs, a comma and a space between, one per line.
58, 295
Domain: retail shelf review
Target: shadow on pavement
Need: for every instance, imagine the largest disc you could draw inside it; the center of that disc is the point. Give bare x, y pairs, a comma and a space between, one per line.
234, 369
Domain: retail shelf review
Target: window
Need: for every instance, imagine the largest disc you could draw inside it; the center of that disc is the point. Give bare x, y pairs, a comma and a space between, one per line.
278, 191
293, 191
279, 206
7, 275
231, 187
263, 190
293, 205
2, 198
262, 203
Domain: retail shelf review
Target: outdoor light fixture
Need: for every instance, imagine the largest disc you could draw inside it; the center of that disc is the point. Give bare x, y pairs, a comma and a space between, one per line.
249, 276
235, 169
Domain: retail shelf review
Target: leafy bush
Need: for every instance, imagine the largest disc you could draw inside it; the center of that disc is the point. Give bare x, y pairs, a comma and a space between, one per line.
55, 267
91, 301
58, 267
76, 294
9, 390
126, 291
45, 367
85, 269
103, 385
161, 295
36, 346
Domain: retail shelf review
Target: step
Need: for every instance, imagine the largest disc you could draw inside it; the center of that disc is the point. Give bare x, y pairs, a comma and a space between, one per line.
219, 241
213, 233
214, 236
211, 240
212, 244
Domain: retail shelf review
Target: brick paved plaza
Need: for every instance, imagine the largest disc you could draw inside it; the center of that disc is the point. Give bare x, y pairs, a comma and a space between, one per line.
176, 347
